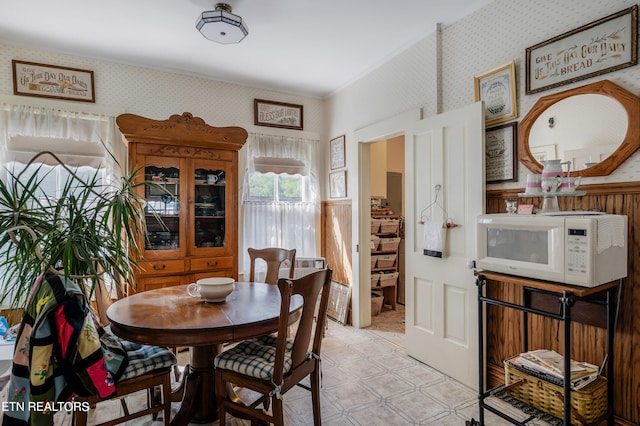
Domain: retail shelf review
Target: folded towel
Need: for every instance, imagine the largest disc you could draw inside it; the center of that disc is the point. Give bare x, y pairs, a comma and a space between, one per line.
434, 238
610, 231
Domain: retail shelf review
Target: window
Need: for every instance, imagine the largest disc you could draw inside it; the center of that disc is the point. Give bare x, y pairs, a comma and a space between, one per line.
52, 178
83, 141
277, 187
280, 202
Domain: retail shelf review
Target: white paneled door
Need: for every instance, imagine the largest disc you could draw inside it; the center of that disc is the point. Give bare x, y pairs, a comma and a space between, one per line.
445, 151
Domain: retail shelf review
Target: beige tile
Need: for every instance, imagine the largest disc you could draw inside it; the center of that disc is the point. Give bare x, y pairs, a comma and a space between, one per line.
368, 380
387, 385
418, 374
351, 395
419, 407
379, 415
450, 393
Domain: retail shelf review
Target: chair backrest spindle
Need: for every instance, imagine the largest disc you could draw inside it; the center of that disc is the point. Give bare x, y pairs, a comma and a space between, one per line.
274, 257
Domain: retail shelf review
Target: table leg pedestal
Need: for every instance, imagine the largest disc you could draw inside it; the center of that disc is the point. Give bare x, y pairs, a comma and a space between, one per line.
199, 398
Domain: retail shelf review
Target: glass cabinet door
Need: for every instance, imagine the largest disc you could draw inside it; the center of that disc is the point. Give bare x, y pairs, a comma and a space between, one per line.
209, 205
163, 204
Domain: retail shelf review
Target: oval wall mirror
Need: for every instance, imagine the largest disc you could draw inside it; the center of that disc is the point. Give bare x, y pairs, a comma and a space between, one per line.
593, 126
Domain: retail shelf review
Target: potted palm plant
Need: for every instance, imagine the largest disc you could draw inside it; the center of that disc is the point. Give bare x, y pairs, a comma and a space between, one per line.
86, 232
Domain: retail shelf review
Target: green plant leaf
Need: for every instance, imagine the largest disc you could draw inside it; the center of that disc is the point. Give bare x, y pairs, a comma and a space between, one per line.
88, 232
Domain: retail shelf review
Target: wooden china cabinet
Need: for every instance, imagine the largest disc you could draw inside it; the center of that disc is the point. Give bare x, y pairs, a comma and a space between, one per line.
192, 206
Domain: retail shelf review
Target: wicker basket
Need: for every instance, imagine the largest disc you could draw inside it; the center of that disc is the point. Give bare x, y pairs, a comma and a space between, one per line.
386, 261
389, 226
388, 280
375, 278
389, 244
376, 304
588, 404
375, 242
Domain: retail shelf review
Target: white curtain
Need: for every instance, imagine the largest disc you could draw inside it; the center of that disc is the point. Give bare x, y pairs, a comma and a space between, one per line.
82, 139
284, 224
287, 225
77, 138
270, 148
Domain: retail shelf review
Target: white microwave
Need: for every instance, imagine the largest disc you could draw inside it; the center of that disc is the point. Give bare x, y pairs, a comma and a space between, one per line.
579, 249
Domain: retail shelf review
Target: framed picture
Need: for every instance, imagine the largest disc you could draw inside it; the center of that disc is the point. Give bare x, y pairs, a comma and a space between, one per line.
338, 184
500, 153
337, 153
497, 88
339, 298
597, 48
277, 114
52, 81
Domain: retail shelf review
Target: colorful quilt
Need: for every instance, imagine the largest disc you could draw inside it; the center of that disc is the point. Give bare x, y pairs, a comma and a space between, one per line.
58, 354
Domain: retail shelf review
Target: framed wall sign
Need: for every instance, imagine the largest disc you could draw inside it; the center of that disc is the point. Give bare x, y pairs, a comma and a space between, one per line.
277, 114
52, 81
338, 184
337, 153
497, 88
597, 48
501, 158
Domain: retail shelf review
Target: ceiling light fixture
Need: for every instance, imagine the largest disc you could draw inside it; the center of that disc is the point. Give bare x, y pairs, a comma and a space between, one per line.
221, 25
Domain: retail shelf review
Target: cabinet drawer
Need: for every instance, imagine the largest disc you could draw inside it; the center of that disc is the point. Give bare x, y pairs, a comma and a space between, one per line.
145, 284
162, 267
211, 263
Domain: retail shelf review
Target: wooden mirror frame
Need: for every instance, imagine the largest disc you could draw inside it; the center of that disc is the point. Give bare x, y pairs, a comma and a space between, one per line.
629, 145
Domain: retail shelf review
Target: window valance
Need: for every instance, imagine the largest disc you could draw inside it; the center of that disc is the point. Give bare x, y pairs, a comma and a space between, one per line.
78, 137
281, 154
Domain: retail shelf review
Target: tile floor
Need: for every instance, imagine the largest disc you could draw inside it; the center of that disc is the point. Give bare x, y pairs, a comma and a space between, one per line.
369, 380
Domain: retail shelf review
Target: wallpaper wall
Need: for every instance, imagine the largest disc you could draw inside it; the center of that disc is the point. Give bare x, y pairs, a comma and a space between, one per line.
159, 94
498, 33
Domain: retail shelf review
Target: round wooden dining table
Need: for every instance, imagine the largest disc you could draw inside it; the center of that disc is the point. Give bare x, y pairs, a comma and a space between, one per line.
170, 317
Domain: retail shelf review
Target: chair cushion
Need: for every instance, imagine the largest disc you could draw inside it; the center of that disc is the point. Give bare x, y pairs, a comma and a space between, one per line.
254, 357
145, 358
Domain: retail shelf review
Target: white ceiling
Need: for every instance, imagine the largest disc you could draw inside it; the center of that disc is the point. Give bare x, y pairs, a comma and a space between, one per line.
305, 47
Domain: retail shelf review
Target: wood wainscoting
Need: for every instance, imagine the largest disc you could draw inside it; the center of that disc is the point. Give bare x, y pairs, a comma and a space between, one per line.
589, 342
336, 239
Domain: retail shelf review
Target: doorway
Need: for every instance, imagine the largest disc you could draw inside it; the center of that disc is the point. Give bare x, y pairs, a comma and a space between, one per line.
443, 151
366, 137
387, 242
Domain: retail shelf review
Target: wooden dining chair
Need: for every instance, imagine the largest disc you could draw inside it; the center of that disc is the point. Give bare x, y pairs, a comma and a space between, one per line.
275, 258
271, 365
149, 370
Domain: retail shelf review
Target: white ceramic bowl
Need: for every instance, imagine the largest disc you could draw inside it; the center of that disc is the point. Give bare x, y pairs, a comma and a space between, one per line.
214, 289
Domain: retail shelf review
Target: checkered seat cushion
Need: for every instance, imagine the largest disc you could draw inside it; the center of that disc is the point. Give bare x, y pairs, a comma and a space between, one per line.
254, 357
145, 358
